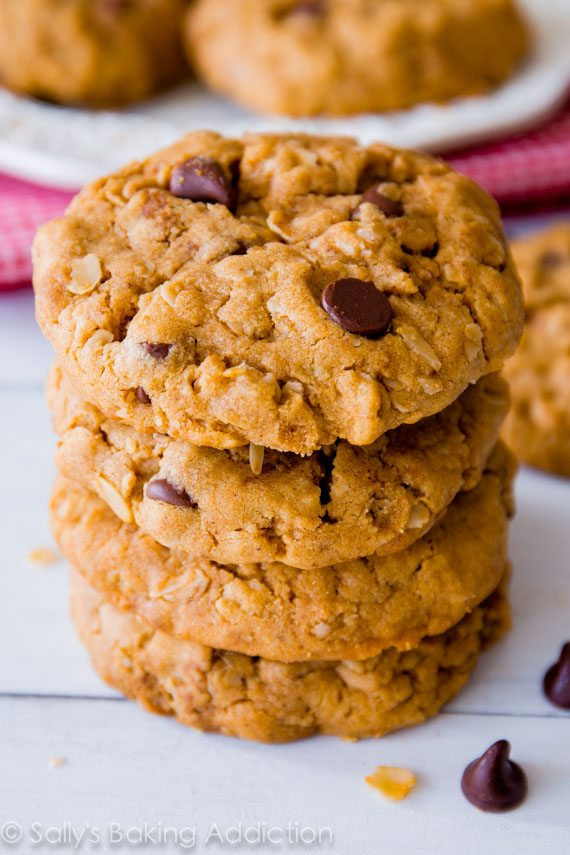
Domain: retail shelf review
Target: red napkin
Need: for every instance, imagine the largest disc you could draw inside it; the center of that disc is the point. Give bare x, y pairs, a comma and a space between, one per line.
533, 166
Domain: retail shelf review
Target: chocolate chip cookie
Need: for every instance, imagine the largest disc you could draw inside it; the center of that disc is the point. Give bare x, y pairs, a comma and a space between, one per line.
253, 698
97, 52
340, 57
346, 611
279, 290
340, 503
538, 426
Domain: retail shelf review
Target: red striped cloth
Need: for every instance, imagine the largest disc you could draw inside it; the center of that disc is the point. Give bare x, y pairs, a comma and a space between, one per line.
533, 166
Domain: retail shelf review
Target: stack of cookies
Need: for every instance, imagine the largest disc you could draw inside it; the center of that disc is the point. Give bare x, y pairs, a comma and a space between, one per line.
278, 409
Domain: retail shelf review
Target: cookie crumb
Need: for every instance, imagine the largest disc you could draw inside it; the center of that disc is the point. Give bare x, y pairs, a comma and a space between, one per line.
42, 555
57, 761
392, 781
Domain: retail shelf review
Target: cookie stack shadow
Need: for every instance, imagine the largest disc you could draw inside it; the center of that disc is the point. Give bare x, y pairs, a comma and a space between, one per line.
270, 594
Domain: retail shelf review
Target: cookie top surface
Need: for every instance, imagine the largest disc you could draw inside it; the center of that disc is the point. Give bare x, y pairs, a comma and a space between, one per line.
341, 503
346, 56
254, 698
538, 427
227, 321
97, 52
351, 610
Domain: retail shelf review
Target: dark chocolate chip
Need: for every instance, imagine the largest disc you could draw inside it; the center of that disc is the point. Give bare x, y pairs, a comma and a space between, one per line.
556, 682
389, 207
551, 260
142, 395
493, 782
358, 307
431, 251
163, 491
326, 463
202, 179
156, 349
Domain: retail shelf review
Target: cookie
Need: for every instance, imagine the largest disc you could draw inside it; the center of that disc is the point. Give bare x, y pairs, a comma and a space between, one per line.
331, 507
340, 57
97, 52
346, 611
538, 426
280, 290
253, 698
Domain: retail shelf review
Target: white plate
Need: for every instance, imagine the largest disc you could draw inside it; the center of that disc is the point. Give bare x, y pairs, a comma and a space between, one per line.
65, 147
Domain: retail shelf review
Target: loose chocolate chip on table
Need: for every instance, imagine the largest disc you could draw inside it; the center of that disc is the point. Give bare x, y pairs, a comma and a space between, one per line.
202, 179
493, 782
156, 349
556, 682
358, 307
142, 395
387, 206
163, 491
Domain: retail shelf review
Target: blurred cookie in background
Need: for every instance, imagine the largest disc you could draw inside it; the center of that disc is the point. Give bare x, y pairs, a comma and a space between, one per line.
538, 426
102, 53
341, 57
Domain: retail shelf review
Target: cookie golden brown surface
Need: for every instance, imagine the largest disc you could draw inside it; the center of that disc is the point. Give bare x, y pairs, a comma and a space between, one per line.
338, 504
342, 57
346, 611
538, 426
229, 693
96, 52
218, 292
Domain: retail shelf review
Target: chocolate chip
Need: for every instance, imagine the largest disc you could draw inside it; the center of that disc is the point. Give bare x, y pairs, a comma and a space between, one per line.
358, 307
551, 260
156, 349
493, 782
389, 207
556, 682
142, 395
326, 464
431, 251
202, 179
163, 491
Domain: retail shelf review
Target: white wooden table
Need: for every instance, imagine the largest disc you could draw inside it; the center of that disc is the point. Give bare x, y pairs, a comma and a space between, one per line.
126, 767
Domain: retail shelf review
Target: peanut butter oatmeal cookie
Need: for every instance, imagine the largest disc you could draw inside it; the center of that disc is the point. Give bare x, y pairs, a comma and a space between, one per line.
253, 698
538, 426
340, 503
308, 57
352, 610
279, 290
97, 52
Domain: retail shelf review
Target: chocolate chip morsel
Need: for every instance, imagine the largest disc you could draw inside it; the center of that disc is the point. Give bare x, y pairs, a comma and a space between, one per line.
163, 491
389, 207
202, 179
556, 682
494, 783
157, 350
141, 395
358, 307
